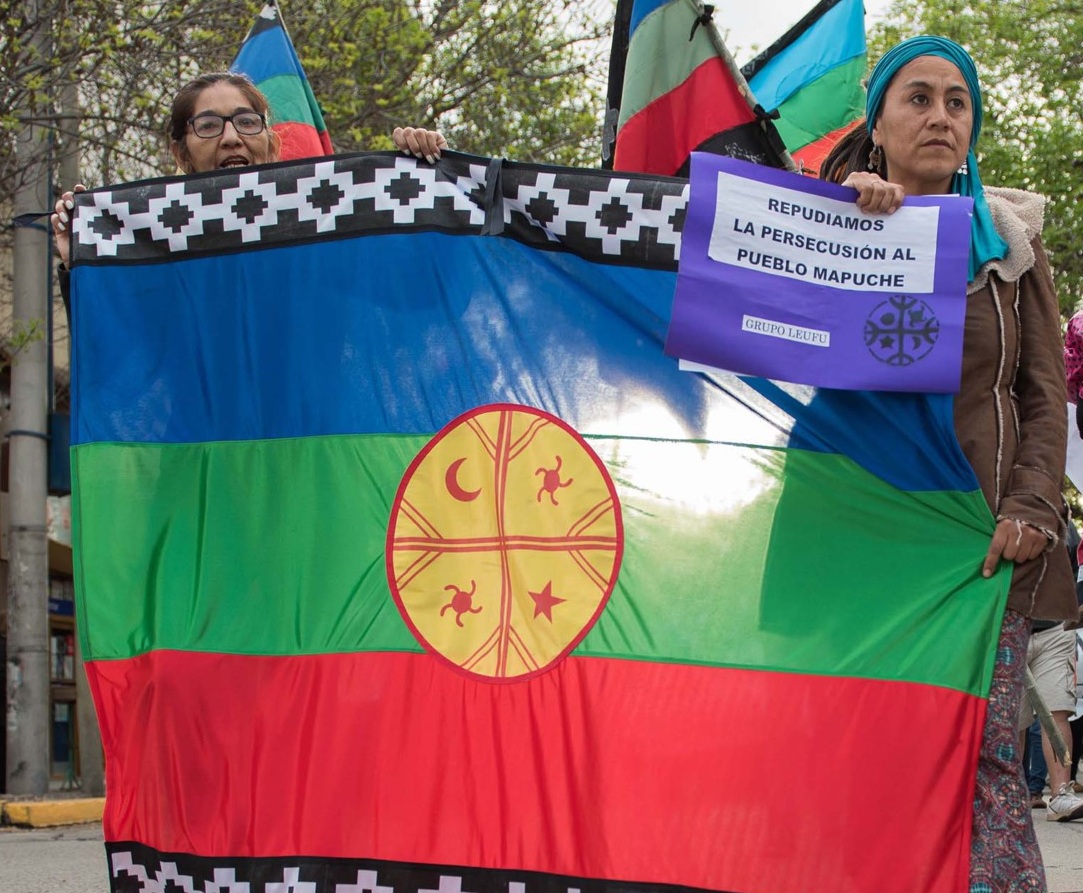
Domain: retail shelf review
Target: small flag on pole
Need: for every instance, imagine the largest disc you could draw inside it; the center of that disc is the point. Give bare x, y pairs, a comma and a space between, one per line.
267, 56
812, 76
674, 89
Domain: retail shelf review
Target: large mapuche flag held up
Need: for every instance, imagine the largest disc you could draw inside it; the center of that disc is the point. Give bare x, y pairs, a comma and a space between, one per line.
406, 561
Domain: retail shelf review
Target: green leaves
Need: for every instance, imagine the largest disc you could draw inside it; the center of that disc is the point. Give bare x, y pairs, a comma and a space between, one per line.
522, 80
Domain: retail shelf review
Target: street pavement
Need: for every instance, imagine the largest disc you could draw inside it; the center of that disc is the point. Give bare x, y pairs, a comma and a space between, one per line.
72, 859
1062, 852
53, 860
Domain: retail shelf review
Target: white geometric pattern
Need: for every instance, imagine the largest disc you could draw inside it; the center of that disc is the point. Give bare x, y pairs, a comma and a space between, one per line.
326, 175
247, 189
611, 232
178, 873
448, 884
596, 214
431, 188
673, 208
124, 864
290, 883
613, 217
85, 231
544, 187
366, 883
156, 219
170, 879
225, 881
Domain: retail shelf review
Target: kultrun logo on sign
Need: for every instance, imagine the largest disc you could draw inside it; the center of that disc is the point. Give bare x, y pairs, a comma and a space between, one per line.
504, 542
901, 330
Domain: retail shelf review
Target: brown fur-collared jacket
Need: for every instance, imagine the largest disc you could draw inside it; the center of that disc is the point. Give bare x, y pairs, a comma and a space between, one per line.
1010, 414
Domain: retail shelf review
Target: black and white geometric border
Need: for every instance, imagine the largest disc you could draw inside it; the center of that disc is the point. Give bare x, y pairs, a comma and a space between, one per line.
135, 868
599, 215
275, 205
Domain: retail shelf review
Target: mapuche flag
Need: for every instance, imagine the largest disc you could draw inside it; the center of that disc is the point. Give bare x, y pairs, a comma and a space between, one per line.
671, 93
812, 76
267, 56
407, 561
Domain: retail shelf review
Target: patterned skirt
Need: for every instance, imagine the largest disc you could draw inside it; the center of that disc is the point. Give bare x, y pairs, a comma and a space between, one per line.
1004, 854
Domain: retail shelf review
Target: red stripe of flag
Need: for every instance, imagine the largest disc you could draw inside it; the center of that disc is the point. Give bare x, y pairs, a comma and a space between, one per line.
582, 758
811, 156
661, 136
301, 140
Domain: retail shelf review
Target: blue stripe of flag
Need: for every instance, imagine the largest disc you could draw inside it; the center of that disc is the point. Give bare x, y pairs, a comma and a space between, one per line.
643, 8
836, 37
268, 54
401, 333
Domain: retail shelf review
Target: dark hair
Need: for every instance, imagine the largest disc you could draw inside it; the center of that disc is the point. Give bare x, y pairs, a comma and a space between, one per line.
184, 104
851, 153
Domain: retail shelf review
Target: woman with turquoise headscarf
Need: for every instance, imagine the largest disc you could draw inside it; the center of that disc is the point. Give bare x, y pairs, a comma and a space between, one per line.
923, 118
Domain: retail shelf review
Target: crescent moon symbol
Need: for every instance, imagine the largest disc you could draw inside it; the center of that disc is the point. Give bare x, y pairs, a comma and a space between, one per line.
453, 485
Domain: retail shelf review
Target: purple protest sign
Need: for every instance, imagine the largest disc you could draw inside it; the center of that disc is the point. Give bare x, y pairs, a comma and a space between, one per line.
781, 276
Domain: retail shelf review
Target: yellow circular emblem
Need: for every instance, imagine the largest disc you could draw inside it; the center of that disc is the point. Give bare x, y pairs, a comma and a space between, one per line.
504, 542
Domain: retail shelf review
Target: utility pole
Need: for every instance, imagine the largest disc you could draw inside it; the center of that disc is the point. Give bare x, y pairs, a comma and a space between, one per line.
27, 725
91, 761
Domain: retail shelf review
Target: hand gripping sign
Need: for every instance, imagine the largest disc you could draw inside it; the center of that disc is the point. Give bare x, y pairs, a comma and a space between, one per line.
781, 276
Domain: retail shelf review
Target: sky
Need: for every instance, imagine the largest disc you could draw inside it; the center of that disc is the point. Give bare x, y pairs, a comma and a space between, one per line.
753, 25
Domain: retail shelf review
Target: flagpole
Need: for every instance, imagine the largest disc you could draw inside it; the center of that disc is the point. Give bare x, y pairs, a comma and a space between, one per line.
704, 17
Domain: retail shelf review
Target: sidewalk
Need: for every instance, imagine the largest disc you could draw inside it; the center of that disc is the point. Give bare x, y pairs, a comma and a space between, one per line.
57, 809
1062, 853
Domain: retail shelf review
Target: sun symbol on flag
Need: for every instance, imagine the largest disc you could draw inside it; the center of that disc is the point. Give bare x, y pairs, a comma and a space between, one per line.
504, 542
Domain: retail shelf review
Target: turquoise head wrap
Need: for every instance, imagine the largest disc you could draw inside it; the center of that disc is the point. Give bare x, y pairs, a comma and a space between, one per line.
985, 242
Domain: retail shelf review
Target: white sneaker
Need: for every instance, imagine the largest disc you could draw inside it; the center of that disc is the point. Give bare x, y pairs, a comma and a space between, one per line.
1064, 805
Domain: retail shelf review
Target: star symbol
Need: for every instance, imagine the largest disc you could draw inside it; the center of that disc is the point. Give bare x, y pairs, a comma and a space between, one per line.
544, 602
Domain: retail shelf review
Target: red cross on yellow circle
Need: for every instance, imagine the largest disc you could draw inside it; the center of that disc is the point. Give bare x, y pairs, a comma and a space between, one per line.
504, 542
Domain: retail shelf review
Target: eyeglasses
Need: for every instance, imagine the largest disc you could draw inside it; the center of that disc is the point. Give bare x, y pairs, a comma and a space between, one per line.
209, 125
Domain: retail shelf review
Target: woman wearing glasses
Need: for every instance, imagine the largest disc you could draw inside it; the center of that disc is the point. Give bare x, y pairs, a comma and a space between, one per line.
201, 141
219, 120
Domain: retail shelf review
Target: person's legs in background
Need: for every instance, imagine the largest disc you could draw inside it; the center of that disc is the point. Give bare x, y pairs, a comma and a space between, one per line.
1076, 725
1064, 803
1051, 657
1076, 722
1034, 764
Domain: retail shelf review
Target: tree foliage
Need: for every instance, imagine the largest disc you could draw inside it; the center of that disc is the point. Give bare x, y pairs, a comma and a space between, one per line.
1030, 59
521, 79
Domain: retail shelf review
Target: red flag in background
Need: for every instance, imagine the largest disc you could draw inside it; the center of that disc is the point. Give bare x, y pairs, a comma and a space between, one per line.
267, 56
812, 76
671, 92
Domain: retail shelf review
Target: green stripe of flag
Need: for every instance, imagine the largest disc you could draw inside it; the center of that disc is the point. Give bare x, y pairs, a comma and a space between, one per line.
293, 100
277, 547
828, 103
661, 57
